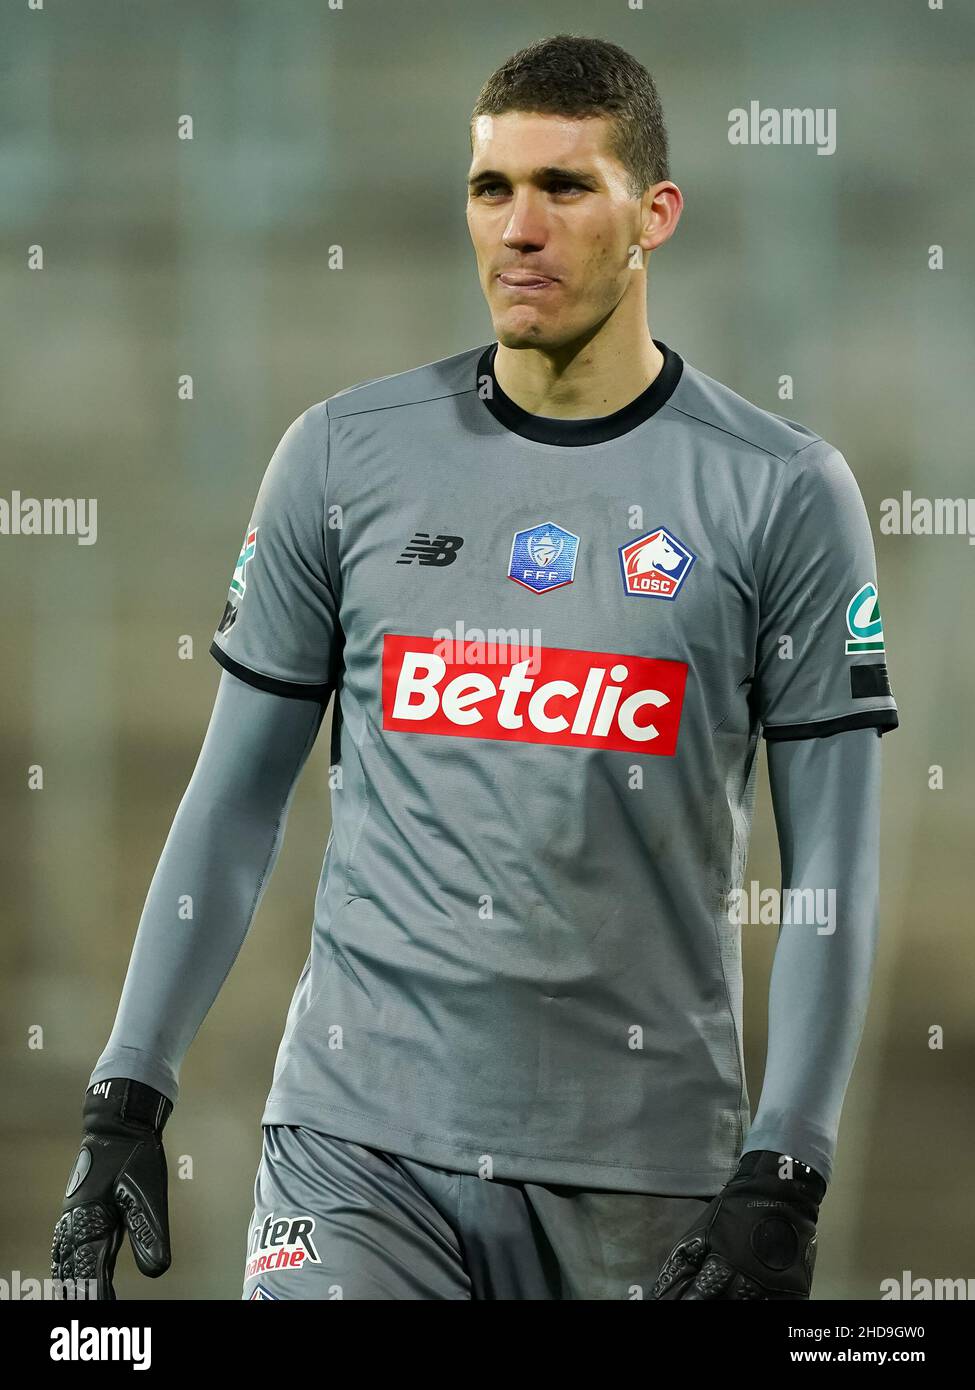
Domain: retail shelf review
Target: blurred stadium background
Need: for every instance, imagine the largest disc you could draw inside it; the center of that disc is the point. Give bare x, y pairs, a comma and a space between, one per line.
316, 128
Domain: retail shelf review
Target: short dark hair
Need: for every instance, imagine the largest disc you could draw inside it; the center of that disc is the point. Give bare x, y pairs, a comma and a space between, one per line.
570, 75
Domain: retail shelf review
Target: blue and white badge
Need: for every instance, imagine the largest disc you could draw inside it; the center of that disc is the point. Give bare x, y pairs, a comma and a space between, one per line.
543, 557
655, 565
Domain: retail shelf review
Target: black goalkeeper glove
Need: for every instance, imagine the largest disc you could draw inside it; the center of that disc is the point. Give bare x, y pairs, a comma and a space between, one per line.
118, 1184
755, 1240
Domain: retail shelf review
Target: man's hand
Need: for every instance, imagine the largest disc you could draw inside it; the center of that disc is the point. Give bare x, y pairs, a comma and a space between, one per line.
756, 1240
118, 1183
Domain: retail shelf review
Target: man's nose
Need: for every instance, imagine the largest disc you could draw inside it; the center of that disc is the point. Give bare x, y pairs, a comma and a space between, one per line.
526, 227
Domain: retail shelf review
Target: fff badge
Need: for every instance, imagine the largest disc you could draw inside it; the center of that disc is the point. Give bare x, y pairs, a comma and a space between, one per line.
543, 557
655, 565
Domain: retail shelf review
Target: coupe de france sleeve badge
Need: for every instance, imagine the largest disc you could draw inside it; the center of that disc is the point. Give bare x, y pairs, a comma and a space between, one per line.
863, 622
543, 557
655, 565
238, 584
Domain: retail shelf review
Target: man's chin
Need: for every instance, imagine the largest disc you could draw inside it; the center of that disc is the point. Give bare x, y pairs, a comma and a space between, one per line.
533, 333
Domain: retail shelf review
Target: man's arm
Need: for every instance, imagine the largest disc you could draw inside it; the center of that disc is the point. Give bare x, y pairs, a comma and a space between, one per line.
216, 863
826, 799
207, 886
757, 1238
821, 693
280, 646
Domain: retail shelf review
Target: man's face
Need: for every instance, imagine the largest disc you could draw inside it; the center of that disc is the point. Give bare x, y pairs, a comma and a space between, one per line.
553, 224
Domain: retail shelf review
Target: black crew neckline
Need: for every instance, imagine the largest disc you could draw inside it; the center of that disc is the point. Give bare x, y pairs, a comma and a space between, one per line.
599, 429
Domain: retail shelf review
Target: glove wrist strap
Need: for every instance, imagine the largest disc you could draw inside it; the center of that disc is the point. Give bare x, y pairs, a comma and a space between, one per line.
123, 1104
758, 1163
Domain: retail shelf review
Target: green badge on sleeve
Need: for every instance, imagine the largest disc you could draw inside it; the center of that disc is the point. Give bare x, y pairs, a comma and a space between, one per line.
864, 622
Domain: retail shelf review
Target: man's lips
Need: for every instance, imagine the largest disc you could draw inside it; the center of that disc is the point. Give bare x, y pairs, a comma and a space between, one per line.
523, 280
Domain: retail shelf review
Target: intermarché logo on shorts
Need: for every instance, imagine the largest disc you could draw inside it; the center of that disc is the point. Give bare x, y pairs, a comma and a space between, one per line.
281, 1243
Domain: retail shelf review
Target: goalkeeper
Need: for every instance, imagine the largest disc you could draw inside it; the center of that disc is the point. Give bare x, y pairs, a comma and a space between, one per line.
512, 1067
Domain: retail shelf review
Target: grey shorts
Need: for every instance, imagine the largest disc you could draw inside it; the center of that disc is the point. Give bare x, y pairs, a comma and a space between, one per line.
333, 1219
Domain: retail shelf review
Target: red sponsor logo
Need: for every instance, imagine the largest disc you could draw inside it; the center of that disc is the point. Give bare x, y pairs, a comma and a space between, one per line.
280, 1259
557, 695
281, 1243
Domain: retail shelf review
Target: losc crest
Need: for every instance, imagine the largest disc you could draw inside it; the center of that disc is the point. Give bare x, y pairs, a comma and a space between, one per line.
655, 565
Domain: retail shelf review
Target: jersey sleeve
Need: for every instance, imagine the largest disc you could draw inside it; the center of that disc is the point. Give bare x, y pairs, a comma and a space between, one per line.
279, 630
820, 661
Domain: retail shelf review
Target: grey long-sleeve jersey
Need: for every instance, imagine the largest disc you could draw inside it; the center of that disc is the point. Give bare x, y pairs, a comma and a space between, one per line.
553, 646
210, 879
228, 829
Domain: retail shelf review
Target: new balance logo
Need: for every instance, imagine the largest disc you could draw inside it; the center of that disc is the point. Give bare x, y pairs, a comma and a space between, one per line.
442, 550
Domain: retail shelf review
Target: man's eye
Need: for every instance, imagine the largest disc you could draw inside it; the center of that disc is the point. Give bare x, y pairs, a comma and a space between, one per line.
489, 190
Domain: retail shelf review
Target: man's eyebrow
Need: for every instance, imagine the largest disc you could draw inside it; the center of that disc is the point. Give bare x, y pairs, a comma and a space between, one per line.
548, 172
